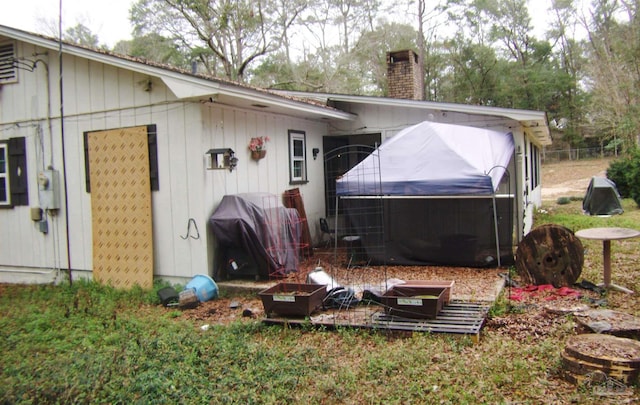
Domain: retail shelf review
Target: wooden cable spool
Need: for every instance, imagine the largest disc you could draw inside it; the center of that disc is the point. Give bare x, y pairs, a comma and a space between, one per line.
602, 356
550, 254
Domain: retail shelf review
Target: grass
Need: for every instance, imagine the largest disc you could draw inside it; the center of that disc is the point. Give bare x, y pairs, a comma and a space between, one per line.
88, 343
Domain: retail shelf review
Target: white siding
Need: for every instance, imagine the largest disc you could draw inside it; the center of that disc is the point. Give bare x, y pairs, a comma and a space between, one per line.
99, 97
226, 127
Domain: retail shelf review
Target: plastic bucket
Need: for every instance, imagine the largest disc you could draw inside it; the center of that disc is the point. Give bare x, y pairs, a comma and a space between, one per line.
204, 287
320, 277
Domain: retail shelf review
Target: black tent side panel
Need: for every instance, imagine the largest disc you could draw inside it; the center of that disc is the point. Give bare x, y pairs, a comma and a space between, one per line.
443, 231
602, 198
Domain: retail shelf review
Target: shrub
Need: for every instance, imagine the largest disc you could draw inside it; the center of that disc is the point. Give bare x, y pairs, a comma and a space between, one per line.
563, 200
625, 173
617, 173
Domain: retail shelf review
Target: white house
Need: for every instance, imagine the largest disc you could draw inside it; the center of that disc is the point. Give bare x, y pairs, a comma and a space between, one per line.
113, 166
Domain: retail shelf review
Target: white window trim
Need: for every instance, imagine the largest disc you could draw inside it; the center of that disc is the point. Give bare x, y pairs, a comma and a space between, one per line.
293, 137
4, 175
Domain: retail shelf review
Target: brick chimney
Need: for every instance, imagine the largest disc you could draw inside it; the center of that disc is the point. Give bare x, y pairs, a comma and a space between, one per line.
403, 75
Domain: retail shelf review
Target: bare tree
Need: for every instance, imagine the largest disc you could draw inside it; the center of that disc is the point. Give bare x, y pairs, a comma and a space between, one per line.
237, 32
614, 76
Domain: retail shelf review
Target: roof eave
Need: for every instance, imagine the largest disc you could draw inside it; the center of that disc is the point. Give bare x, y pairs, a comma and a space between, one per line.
183, 86
534, 121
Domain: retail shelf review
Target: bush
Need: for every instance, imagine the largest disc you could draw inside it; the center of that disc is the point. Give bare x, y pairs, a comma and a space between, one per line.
617, 173
625, 173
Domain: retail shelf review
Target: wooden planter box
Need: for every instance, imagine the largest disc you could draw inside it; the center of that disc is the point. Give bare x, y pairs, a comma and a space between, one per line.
447, 284
291, 299
414, 301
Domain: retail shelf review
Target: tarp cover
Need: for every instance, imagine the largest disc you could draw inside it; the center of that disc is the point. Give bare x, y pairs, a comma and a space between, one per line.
438, 182
432, 159
602, 198
260, 225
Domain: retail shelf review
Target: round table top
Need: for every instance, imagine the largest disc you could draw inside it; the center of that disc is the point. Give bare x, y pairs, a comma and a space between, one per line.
607, 233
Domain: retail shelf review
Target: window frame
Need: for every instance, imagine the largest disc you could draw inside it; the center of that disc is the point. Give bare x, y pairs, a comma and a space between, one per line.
154, 172
15, 172
4, 175
534, 161
297, 136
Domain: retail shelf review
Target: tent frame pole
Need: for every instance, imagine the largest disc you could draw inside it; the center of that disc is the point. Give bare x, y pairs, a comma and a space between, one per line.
335, 229
495, 224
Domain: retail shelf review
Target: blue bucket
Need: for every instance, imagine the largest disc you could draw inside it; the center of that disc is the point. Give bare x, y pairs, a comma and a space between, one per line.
204, 287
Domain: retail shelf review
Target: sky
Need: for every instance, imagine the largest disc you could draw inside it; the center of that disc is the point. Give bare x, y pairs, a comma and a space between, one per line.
109, 19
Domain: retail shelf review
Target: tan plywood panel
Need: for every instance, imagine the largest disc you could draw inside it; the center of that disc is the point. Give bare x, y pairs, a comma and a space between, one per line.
121, 207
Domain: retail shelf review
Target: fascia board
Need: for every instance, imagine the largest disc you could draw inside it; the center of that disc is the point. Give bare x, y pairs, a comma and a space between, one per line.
183, 86
536, 121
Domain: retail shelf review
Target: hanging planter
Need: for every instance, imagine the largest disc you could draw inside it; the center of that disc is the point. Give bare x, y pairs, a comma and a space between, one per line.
258, 154
257, 146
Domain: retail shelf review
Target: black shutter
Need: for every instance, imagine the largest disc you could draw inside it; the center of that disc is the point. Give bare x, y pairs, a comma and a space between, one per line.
18, 171
87, 180
154, 177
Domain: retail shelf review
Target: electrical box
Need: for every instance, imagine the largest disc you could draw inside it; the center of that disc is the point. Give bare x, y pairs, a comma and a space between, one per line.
36, 214
49, 189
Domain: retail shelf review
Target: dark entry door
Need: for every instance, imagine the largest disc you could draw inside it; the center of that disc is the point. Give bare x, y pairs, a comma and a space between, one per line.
341, 153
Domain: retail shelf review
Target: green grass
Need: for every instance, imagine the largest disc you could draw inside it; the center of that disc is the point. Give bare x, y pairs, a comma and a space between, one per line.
88, 343
569, 214
625, 254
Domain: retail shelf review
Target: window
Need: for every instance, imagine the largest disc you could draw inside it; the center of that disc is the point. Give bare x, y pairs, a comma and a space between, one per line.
13, 173
8, 71
152, 139
535, 166
297, 157
4, 178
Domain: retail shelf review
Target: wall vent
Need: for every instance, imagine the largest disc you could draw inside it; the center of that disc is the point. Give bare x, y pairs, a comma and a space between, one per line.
8, 70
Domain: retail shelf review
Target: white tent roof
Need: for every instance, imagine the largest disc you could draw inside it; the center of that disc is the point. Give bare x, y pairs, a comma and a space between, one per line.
432, 159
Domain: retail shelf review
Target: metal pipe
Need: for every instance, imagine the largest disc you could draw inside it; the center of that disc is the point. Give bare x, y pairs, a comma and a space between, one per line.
64, 159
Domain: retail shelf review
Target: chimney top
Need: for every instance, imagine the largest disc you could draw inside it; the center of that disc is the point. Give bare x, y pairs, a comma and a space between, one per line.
403, 78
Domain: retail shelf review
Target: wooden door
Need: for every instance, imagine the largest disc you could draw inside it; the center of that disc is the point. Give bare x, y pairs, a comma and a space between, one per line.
121, 207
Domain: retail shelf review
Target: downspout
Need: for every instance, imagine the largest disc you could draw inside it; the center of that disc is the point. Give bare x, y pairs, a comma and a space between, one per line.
517, 201
56, 246
64, 159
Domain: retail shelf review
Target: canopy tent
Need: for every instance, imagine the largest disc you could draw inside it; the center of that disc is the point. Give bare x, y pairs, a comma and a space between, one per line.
259, 225
438, 185
433, 159
602, 198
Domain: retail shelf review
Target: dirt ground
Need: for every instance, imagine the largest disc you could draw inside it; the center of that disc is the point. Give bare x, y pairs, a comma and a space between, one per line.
569, 178
470, 284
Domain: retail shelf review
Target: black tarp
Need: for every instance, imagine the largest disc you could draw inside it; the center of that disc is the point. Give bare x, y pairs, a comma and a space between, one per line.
422, 231
259, 224
602, 198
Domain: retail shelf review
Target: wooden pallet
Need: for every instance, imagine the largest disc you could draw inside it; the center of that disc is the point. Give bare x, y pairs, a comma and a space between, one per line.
457, 317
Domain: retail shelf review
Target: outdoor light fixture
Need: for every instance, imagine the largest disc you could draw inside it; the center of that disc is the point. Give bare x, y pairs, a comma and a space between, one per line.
222, 158
315, 153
